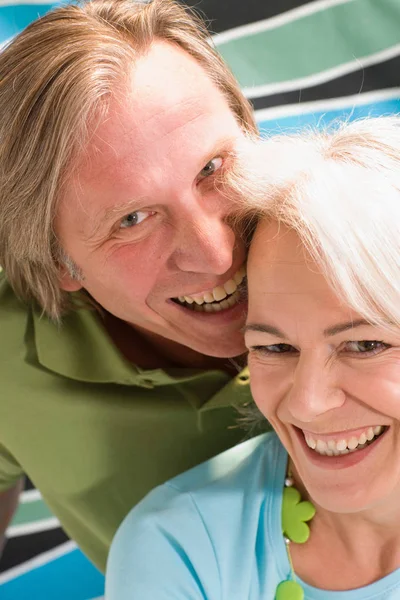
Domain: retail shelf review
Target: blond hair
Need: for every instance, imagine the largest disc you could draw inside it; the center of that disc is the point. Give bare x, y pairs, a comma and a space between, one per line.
339, 189
54, 78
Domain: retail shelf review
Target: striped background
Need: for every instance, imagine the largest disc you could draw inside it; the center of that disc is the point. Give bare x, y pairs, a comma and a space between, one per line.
301, 63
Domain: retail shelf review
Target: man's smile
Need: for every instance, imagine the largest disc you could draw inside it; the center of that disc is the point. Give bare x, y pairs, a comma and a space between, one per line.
219, 298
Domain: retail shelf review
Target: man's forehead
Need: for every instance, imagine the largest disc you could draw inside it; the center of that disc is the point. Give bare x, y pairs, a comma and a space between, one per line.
171, 70
154, 103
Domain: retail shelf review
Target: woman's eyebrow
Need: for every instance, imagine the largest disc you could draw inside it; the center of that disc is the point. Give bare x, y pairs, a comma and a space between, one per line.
264, 328
328, 332
340, 327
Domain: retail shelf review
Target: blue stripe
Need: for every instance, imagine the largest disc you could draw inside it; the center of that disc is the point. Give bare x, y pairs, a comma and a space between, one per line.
14, 19
70, 577
323, 118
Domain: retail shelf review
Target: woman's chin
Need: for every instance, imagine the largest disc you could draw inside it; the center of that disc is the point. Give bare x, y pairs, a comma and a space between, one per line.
348, 483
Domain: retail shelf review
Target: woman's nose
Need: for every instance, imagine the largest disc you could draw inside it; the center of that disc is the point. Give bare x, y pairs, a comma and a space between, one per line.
314, 391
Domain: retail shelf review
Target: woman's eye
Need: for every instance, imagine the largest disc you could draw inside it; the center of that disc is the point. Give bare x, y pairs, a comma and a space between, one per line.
274, 349
366, 346
211, 167
134, 218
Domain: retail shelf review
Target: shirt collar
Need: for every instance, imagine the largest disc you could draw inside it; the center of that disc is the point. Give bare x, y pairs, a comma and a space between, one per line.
81, 349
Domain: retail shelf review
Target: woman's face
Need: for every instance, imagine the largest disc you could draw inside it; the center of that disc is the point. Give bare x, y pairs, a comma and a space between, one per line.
327, 381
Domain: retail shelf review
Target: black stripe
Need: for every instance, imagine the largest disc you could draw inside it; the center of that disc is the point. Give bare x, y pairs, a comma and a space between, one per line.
376, 77
28, 484
222, 15
20, 549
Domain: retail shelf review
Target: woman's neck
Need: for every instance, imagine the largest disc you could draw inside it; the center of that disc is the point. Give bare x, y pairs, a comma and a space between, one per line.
355, 550
358, 548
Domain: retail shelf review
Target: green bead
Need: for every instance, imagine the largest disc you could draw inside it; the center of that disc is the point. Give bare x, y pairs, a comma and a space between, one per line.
294, 514
289, 590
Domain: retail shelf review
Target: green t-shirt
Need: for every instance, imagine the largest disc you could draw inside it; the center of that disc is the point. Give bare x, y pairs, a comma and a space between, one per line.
94, 432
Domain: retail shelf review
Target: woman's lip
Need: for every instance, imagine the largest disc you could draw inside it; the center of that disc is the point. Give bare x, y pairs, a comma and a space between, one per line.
339, 435
343, 461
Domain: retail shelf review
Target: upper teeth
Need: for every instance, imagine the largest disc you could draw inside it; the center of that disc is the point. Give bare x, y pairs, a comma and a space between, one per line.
218, 293
342, 445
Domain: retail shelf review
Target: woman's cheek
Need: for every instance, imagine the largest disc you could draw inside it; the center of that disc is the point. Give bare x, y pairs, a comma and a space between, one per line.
376, 384
269, 384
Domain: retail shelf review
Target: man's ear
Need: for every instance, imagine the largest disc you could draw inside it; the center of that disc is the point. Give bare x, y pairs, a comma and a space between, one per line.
68, 283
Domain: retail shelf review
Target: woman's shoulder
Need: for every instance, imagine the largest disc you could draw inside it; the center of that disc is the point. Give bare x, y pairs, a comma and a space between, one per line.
227, 471
262, 456
232, 464
197, 515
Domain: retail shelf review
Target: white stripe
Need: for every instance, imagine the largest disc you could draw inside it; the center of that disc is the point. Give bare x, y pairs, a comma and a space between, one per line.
279, 112
22, 2
35, 527
30, 496
322, 77
38, 561
275, 22
5, 43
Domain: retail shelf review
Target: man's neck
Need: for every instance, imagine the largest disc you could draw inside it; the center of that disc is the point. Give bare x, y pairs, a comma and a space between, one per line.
150, 351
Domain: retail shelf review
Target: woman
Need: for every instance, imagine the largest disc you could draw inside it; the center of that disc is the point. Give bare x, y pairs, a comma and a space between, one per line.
323, 335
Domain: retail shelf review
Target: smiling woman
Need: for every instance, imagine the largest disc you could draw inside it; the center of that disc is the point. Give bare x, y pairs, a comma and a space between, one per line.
323, 335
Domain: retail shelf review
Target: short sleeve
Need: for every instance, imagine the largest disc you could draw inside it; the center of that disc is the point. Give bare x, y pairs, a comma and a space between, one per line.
162, 551
10, 470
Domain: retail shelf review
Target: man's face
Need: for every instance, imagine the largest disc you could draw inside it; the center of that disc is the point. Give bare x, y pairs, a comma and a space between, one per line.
141, 217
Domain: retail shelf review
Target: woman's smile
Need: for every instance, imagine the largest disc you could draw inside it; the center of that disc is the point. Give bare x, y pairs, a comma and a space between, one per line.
340, 452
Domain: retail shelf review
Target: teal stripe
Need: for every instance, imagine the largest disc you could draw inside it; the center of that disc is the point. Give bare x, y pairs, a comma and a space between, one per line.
30, 512
69, 577
314, 43
319, 119
14, 19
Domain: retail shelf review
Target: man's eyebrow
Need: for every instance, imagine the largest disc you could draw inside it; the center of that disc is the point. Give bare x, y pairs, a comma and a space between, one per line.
104, 217
225, 144
330, 331
123, 209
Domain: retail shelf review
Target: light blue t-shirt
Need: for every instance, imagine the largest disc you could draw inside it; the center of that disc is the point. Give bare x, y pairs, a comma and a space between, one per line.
214, 533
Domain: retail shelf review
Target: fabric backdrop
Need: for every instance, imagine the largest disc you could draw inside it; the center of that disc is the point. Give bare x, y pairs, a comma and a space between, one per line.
301, 63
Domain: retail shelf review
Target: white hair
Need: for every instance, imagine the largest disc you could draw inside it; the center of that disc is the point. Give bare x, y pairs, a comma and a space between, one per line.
340, 191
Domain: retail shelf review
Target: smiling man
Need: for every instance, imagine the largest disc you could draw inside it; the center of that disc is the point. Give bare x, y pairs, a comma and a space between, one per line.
120, 301
141, 216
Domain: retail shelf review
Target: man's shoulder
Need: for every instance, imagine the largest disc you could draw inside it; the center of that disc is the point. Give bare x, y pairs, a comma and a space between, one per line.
13, 312
13, 324
8, 299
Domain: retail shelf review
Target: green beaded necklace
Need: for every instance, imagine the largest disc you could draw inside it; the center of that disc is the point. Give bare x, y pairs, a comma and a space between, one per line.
295, 513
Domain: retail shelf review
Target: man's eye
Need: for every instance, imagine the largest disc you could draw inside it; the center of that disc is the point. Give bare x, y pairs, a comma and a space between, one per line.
366, 346
134, 218
210, 168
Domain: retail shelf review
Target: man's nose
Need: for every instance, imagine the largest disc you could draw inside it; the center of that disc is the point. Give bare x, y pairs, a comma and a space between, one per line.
315, 389
205, 243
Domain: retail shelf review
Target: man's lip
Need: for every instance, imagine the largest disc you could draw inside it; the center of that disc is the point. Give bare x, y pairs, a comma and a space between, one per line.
236, 311
210, 289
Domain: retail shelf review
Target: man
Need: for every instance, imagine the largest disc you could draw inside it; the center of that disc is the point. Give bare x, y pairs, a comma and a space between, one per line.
120, 302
